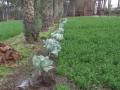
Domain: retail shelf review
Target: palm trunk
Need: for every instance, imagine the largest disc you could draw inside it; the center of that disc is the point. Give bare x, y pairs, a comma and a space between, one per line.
3, 11
94, 7
7, 10
118, 3
61, 10
31, 35
104, 5
56, 8
109, 6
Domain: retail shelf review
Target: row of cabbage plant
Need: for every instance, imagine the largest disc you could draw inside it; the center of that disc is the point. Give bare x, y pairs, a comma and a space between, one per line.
42, 63
53, 43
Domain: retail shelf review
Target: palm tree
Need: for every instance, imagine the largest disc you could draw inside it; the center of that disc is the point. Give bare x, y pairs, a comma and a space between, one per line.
30, 32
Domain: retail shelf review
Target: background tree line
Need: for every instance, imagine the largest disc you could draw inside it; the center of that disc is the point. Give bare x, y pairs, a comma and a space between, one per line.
12, 9
40, 14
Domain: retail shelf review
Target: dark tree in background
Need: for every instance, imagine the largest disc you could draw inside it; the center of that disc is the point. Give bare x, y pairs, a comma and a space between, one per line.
10, 9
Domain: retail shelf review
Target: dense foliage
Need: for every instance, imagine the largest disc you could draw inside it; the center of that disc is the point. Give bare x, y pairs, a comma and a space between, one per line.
90, 54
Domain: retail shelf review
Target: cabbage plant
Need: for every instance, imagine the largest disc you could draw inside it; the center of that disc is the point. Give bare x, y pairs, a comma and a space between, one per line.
61, 25
65, 20
61, 29
53, 46
56, 49
50, 44
55, 52
42, 63
58, 37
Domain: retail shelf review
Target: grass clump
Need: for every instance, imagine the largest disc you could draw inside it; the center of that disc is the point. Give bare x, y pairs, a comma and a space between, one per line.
90, 54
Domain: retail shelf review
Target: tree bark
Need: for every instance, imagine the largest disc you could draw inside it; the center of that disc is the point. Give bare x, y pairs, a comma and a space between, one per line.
118, 3
45, 15
60, 6
104, 5
7, 10
109, 6
30, 32
3, 10
56, 10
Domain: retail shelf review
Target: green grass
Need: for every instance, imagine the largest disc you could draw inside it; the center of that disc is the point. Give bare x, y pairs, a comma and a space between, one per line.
10, 29
4, 71
90, 53
62, 87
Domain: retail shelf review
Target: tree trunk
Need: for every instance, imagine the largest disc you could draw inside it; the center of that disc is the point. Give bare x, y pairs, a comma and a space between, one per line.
94, 7
73, 9
50, 12
31, 34
53, 8
104, 5
3, 10
118, 3
7, 10
60, 6
56, 10
109, 6
45, 14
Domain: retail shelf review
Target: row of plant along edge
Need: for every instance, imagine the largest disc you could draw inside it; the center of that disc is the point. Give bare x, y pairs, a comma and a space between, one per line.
43, 65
